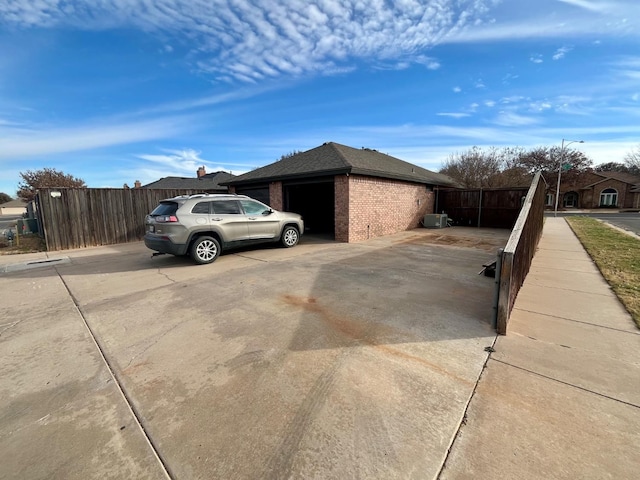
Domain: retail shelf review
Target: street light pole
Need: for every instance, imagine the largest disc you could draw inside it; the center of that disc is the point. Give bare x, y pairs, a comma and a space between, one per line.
555, 211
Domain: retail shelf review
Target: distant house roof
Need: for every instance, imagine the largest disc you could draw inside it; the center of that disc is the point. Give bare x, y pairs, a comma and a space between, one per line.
18, 203
620, 176
209, 182
334, 159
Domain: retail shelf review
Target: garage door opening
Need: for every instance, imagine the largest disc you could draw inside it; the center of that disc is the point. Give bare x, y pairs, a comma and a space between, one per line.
260, 193
315, 202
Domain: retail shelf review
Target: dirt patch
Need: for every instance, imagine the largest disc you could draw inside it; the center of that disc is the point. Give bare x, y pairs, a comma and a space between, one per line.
24, 244
487, 244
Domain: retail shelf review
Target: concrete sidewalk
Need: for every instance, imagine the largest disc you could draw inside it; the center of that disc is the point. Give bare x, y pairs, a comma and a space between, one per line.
560, 397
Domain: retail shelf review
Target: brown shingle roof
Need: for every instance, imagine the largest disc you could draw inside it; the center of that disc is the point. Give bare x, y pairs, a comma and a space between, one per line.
333, 159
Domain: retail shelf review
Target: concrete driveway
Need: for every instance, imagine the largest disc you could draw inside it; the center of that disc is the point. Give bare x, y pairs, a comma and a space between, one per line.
327, 360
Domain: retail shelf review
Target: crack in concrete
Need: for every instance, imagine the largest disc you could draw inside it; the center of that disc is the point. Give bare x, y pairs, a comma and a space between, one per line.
166, 276
155, 342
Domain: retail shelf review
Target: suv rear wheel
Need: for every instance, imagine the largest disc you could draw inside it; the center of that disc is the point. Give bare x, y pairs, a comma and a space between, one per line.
289, 236
205, 250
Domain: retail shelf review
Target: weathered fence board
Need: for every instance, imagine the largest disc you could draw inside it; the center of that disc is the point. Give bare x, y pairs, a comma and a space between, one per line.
519, 251
86, 217
491, 207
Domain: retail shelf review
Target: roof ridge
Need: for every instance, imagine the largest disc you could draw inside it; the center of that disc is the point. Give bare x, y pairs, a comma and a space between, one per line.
335, 146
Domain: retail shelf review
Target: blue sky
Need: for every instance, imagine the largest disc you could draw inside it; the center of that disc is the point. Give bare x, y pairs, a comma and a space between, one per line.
117, 90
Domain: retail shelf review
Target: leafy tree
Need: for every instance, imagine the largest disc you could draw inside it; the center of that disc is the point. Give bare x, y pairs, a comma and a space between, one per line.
32, 180
612, 167
548, 159
4, 197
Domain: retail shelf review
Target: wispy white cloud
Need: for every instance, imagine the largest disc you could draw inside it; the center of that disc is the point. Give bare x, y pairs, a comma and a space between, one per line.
457, 89
31, 142
178, 163
536, 58
453, 115
511, 119
254, 40
561, 52
591, 5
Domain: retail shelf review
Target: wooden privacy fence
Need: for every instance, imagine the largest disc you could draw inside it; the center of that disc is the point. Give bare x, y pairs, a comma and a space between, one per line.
87, 217
482, 207
519, 251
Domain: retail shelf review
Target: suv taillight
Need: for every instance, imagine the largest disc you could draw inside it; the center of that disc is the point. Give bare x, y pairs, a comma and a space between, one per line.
166, 219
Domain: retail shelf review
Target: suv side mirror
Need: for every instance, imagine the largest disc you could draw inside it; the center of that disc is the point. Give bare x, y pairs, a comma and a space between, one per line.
267, 212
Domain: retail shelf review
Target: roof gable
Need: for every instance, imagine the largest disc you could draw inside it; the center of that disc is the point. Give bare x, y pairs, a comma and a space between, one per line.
16, 203
333, 159
620, 176
210, 181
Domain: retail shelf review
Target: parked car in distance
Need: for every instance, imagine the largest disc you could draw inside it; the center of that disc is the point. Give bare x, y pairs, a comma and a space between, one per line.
203, 225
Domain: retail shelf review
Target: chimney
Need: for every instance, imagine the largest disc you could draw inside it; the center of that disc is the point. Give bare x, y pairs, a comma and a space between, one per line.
201, 171
137, 184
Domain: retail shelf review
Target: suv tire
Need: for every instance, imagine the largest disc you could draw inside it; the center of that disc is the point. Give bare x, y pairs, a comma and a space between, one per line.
205, 250
289, 237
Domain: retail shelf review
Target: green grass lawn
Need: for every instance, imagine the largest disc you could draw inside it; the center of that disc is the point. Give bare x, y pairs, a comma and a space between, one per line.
617, 255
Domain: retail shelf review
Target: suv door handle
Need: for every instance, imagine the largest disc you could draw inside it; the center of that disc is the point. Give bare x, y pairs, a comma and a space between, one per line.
216, 219
252, 218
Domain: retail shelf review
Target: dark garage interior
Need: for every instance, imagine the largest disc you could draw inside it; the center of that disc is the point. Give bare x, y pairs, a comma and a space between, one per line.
315, 202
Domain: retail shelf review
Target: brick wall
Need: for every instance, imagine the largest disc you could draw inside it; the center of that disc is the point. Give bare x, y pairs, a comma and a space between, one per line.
275, 196
380, 207
624, 200
341, 206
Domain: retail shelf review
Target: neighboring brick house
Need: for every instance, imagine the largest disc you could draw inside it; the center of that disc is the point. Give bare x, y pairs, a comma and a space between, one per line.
204, 182
598, 190
354, 194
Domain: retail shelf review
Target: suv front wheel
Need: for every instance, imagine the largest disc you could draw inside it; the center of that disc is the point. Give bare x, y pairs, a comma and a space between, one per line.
205, 250
290, 236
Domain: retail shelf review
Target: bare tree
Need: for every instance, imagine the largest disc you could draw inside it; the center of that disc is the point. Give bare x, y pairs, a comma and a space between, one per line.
473, 168
289, 155
32, 180
492, 167
632, 160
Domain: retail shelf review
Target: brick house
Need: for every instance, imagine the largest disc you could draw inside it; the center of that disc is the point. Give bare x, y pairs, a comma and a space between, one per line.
203, 182
598, 190
353, 194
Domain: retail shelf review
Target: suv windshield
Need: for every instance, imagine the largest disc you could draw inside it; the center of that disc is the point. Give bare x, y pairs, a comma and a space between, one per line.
165, 208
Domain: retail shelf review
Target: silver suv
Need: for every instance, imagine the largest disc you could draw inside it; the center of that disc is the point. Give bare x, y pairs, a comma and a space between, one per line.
203, 225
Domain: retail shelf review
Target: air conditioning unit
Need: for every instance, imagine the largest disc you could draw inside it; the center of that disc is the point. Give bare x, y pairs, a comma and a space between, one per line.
435, 220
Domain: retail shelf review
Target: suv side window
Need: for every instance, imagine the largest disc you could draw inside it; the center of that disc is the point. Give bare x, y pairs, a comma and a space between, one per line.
226, 207
201, 207
253, 208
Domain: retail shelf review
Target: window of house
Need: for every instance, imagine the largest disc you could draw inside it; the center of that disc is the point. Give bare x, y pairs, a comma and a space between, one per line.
609, 197
570, 200
549, 200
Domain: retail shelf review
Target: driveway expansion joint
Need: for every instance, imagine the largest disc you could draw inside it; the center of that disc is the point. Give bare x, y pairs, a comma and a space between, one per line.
578, 387
130, 406
579, 321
